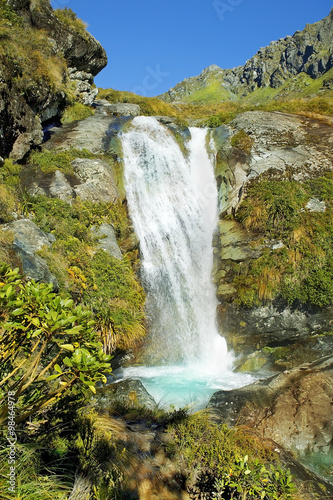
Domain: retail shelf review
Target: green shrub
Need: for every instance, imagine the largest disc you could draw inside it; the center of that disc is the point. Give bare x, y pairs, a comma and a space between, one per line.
48, 345
8, 204
226, 463
106, 285
301, 270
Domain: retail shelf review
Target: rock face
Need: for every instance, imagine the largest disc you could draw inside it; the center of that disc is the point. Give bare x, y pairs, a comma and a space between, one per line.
283, 147
308, 51
76, 56
293, 408
28, 239
97, 133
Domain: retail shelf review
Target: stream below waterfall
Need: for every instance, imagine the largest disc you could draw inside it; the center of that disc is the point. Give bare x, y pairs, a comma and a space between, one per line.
173, 203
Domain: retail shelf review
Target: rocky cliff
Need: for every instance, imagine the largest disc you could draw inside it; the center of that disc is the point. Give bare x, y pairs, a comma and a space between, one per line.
308, 51
47, 59
274, 240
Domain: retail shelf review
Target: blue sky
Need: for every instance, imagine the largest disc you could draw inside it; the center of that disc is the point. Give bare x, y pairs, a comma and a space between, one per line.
154, 44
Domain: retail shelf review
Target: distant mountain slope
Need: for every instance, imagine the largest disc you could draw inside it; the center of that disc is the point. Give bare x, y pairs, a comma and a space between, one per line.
309, 52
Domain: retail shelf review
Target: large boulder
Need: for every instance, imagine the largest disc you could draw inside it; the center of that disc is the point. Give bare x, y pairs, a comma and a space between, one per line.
91, 180
28, 240
293, 408
128, 393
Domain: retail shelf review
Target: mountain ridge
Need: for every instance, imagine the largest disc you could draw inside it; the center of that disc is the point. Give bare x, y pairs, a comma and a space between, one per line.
308, 51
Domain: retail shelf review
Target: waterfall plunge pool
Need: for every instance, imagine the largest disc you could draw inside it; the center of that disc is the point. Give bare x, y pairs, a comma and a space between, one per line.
173, 203
180, 386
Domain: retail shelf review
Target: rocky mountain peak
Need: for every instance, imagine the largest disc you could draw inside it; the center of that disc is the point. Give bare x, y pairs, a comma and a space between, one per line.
308, 51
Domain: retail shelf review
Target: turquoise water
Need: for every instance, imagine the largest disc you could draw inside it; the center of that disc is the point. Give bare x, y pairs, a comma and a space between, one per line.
180, 386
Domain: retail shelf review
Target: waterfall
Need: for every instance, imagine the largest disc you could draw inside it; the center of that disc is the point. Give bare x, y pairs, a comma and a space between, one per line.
172, 199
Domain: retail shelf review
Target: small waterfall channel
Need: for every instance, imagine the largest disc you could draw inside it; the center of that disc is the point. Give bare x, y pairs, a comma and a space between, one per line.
172, 198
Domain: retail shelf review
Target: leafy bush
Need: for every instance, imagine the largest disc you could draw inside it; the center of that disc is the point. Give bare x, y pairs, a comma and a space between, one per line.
226, 463
106, 285
48, 345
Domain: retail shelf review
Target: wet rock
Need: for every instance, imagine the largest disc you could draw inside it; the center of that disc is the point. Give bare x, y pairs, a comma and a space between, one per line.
90, 133
276, 324
284, 147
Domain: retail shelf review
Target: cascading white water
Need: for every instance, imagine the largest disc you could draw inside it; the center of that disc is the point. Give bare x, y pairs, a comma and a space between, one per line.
173, 205
172, 199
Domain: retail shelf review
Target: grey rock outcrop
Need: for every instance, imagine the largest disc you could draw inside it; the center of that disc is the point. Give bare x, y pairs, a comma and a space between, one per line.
107, 240
29, 239
92, 180
123, 109
283, 147
282, 144
293, 408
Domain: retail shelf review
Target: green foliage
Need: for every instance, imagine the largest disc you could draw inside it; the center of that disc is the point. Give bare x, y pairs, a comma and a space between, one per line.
242, 141
254, 481
32, 482
226, 463
302, 270
104, 284
47, 345
219, 119
8, 15
8, 203
50, 161
9, 179
27, 56
273, 207
76, 111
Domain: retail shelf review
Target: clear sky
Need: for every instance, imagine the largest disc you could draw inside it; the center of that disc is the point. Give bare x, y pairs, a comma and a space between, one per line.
154, 44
